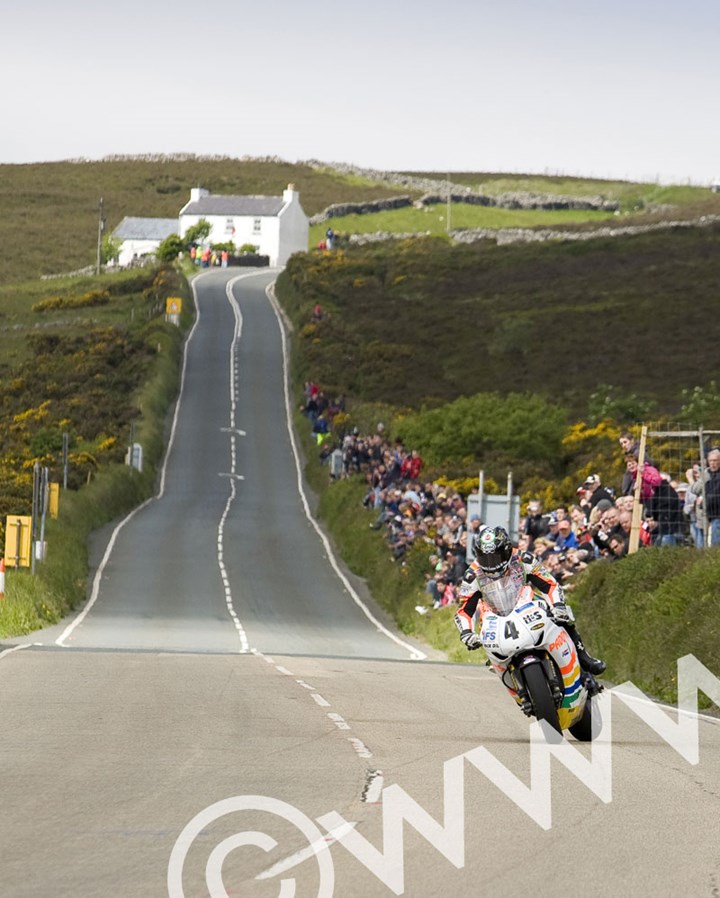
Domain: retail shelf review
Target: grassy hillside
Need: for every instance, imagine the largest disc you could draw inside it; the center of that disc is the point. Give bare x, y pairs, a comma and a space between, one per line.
421, 322
50, 211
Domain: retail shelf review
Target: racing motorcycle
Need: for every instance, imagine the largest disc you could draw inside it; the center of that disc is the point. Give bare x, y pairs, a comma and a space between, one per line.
535, 658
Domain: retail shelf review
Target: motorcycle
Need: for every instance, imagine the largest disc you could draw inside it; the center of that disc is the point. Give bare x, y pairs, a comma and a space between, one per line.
535, 658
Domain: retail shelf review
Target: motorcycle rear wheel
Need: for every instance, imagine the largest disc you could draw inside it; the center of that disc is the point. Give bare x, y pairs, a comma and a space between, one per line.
539, 691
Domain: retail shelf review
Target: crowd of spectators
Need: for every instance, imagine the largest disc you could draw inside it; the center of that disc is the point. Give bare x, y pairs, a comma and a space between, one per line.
597, 526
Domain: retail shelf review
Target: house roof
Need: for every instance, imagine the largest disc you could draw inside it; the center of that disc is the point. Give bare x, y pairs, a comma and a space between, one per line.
146, 228
235, 205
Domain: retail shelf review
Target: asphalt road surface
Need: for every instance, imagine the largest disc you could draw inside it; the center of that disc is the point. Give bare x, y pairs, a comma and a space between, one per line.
230, 700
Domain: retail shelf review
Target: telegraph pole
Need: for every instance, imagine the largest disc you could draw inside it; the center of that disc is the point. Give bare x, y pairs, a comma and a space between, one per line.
101, 228
449, 199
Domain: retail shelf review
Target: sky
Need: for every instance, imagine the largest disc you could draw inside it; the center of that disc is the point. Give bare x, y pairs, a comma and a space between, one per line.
621, 89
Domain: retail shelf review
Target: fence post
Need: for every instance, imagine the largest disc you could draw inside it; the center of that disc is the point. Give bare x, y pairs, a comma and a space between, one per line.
637, 503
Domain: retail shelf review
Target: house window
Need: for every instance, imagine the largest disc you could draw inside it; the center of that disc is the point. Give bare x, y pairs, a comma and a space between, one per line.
256, 225
229, 226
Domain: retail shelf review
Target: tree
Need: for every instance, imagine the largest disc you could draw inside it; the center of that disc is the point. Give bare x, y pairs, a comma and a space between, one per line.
198, 232
170, 248
110, 249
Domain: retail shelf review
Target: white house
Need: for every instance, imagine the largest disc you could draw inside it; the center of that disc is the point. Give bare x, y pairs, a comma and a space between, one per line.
276, 225
142, 236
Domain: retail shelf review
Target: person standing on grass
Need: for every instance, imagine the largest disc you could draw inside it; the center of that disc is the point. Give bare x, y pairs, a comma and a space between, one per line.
711, 505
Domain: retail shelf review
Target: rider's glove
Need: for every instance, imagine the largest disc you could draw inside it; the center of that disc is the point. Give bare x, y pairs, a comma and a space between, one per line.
562, 614
472, 640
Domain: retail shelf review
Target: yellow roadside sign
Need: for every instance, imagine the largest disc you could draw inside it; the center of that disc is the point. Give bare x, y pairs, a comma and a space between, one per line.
53, 499
173, 305
18, 540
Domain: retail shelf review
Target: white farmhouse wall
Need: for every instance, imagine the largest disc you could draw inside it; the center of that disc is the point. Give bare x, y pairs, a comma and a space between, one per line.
132, 248
277, 234
294, 231
266, 239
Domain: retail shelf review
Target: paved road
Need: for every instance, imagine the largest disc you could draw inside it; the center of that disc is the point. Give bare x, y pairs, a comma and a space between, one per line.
227, 559
225, 690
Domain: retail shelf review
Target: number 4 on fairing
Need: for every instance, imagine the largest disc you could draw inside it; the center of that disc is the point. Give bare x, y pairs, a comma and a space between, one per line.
511, 631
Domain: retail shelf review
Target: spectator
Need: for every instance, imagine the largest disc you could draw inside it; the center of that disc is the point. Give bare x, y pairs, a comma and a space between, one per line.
592, 492
535, 523
475, 527
630, 446
618, 547
566, 539
649, 475
411, 466
625, 503
663, 513
579, 521
692, 511
711, 503
552, 534
625, 521
607, 526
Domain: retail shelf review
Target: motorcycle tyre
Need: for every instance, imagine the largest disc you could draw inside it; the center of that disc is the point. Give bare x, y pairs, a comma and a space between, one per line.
540, 696
582, 730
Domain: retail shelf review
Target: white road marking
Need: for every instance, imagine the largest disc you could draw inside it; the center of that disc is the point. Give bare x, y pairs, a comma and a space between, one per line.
338, 720
323, 702
360, 747
16, 648
374, 787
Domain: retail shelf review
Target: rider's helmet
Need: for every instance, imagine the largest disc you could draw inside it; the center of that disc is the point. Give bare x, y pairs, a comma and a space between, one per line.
492, 549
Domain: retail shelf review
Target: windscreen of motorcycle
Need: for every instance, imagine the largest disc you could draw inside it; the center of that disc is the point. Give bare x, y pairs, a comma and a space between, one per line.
502, 595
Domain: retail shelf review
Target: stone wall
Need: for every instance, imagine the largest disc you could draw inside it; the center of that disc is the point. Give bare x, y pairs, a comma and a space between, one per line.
503, 236
436, 191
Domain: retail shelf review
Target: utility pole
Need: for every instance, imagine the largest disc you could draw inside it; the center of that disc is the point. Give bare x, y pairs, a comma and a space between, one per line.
448, 202
101, 228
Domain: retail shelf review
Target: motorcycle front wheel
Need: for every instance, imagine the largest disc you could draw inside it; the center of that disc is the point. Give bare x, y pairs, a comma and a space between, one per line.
583, 729
539, 692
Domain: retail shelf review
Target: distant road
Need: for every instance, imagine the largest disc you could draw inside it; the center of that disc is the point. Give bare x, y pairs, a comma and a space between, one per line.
227, 559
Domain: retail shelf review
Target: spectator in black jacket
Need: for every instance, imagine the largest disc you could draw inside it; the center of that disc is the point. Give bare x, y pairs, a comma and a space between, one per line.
535, 524
592, 491
712, 496
664, 516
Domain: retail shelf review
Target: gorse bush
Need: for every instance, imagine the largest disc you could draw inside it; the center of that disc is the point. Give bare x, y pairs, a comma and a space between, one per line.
78, 385
92, 298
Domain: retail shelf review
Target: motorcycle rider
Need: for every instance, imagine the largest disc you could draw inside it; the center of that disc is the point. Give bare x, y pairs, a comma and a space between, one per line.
495, 557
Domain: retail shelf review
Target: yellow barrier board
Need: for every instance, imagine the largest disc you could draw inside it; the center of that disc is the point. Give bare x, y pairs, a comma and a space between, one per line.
18, 540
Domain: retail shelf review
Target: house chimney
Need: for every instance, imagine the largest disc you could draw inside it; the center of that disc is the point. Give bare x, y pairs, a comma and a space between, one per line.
290, 194
197, 192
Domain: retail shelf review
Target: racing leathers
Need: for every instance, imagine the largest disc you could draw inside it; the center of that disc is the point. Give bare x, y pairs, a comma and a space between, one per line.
525, 568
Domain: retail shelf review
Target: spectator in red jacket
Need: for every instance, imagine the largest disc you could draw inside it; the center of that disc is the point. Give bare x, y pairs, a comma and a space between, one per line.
411, 466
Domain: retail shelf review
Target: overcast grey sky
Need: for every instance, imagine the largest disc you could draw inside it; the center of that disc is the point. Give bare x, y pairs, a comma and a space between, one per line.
626, 88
